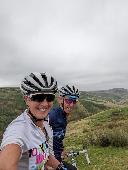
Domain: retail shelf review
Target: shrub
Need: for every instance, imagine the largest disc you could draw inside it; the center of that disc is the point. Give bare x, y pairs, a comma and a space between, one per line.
116, 137
119, 138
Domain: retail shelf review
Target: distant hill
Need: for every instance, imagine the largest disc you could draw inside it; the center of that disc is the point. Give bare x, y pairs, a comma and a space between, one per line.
112, 95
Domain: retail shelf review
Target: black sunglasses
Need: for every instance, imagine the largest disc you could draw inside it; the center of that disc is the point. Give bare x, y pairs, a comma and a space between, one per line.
42, 97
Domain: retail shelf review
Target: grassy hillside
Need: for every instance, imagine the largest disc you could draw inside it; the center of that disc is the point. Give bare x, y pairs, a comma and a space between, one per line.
106, 136
11, 104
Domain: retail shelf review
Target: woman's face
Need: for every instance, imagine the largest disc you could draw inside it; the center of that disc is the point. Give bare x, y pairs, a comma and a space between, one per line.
39, 107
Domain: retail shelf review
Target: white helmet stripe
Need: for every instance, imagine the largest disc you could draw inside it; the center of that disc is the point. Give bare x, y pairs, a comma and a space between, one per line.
38, 75
53, 85
28, 87
33, 82
68, 90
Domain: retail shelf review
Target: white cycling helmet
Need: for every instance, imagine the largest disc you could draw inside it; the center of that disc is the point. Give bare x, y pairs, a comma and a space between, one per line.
38, 83
69, 91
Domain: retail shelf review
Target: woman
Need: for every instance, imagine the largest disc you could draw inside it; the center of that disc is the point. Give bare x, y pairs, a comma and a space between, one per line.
27, 141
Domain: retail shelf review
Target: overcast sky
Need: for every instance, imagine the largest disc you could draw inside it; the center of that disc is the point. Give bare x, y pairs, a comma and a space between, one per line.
81, 42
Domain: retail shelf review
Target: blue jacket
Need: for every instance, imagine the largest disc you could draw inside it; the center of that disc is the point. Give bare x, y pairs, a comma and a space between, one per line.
58, 122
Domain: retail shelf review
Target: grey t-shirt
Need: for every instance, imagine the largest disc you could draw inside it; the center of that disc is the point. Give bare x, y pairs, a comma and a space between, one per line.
35, 148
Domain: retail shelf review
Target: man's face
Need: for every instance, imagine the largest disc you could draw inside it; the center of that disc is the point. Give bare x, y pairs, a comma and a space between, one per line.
68, 103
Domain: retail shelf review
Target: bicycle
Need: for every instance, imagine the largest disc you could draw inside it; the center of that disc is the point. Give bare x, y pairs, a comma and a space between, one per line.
73, 154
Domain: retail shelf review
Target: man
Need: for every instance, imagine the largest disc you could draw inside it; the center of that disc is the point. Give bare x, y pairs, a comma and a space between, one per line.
67, 99
27, 141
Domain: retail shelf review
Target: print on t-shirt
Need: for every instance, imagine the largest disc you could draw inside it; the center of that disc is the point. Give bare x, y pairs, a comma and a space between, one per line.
39, 156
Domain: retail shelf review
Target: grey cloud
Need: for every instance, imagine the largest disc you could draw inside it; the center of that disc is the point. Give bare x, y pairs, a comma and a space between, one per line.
80, 42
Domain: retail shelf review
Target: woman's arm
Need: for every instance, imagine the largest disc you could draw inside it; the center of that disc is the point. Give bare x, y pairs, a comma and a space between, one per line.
9, 157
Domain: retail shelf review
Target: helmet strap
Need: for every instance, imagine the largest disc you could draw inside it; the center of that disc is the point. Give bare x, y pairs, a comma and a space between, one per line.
34, 119
62, 104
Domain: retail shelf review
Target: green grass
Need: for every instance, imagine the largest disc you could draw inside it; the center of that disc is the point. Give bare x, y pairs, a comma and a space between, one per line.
108, 158
11, 105
102, 158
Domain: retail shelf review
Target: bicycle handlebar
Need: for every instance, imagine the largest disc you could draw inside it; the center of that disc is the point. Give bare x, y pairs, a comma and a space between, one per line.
74, 154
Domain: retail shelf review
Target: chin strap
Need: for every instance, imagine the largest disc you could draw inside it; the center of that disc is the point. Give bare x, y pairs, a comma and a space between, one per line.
62, 104
34, 119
